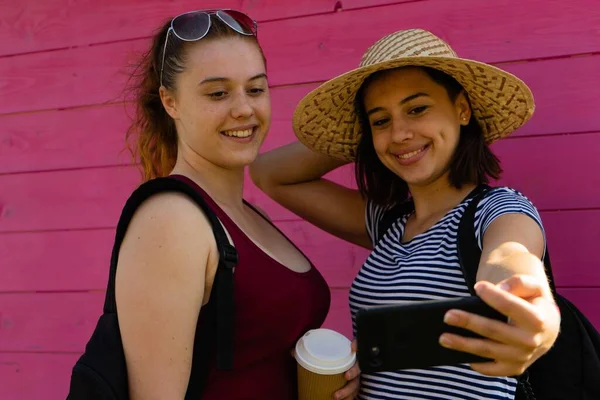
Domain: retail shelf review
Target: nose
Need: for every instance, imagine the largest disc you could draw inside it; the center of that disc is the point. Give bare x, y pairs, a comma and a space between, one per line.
401, 131
241, 107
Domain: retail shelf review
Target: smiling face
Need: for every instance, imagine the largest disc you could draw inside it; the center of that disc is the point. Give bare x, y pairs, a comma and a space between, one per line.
221, 104
415, 125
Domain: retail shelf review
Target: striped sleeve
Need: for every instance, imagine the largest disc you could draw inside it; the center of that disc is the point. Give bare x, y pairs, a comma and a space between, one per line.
373, 215
501, 201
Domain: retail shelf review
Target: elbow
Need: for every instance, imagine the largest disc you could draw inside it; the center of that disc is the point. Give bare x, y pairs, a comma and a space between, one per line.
516, 258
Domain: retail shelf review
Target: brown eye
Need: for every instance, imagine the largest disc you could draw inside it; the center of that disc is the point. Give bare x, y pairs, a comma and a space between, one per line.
418, 110
217, 95
380, 122
256, 91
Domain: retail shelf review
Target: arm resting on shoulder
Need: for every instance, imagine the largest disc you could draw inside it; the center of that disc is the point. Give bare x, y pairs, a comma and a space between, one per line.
292, 175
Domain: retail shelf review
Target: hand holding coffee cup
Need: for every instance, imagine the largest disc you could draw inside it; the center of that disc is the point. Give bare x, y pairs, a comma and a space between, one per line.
323, 357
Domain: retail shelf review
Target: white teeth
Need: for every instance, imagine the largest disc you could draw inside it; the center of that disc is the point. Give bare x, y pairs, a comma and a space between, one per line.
240, 134
411, 154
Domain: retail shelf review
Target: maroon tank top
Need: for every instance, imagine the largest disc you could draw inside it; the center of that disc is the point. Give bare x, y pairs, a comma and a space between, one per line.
274, 307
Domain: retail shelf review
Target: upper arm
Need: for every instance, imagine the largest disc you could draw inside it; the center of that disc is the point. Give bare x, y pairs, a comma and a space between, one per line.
513, 242
159, 291
332, 207
293, 176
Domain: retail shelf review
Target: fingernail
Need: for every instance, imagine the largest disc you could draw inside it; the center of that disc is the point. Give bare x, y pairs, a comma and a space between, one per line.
505, 286
478, 287
445, 341
450, 318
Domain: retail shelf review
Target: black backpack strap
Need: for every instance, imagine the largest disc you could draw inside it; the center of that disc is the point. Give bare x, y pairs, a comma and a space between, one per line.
468, 248
469, 252
220, 308
469, 255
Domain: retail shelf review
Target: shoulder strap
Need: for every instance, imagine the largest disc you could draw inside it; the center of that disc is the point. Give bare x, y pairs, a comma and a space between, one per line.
469, 252
220, 308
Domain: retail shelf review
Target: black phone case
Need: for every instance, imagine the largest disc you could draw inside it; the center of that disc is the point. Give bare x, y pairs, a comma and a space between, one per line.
406, 336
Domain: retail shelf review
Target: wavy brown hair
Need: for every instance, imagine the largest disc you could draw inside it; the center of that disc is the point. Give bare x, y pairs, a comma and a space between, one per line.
152, 137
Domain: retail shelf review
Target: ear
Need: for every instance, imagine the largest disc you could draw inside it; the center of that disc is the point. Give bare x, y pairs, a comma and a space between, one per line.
169, 102
463, 108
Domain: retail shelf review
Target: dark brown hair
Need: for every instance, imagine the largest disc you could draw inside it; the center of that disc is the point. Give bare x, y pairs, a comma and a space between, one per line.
472, 162
152, 138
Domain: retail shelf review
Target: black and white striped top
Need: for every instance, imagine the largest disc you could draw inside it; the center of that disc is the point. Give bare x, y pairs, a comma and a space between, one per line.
427, 268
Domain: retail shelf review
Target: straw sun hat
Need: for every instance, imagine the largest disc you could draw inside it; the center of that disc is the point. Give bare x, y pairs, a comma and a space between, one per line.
326, 122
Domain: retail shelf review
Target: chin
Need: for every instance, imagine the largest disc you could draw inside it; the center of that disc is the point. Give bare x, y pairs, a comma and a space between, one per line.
242, 160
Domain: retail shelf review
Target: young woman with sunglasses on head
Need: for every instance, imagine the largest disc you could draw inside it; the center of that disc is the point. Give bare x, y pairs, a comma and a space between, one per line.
417, 120
203, 111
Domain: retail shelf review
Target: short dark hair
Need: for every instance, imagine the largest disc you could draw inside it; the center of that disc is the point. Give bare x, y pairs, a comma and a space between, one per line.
472, 162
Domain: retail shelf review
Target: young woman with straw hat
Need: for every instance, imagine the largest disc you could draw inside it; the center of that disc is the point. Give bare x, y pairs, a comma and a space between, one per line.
417, 121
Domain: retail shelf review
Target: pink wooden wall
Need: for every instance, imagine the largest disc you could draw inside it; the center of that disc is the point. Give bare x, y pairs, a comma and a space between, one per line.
63, 178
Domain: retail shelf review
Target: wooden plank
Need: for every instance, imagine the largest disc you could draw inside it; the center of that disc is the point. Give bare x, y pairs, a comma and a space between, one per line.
95, 136
572, 239
93, 198
48, 322
587, 301
84, 199
55, 261
46, 140
563, 104
353, 4
32, 27
334, 43
338, 318
35, 376
29, 25
67, 78
264, 10
77, 199
329, 45
64, 322
555, 172
73, 138
79, 260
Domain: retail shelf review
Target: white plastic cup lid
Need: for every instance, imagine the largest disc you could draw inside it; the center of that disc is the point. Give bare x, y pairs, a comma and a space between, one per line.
325, 352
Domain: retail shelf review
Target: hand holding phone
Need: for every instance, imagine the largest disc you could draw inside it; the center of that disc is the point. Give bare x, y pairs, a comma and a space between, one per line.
406, 336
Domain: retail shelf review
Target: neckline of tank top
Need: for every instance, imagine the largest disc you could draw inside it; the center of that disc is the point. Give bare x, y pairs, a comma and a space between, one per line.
247, 239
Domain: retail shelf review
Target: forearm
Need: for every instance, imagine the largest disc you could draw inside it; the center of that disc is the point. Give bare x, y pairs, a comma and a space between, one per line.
510, 259
291, 164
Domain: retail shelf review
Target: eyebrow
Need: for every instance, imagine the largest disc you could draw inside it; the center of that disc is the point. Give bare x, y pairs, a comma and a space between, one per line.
403, 101
222, 79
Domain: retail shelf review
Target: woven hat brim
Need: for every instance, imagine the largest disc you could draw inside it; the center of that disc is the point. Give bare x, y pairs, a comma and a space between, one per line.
326, 122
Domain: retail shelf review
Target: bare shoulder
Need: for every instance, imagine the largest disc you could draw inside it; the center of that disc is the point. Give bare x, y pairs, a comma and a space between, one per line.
169, 223
159, 291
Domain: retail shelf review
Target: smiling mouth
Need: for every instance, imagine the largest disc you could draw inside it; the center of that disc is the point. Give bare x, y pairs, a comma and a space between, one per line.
239, 133
406, 156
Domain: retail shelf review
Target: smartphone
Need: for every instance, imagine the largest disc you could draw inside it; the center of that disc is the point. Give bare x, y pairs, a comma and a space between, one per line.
406, 336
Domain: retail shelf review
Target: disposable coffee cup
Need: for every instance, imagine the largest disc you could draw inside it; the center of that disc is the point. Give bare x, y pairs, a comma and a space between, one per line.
323, 356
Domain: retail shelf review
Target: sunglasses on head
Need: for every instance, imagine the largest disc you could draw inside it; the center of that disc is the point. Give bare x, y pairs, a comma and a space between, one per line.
194, 25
